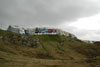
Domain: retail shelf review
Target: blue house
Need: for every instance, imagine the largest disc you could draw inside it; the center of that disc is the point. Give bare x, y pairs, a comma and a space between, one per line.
44, 30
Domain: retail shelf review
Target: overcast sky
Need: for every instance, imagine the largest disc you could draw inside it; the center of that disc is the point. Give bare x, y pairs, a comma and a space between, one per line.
80, 17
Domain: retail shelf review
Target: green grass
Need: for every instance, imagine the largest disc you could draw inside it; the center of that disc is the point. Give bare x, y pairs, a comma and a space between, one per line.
50, 48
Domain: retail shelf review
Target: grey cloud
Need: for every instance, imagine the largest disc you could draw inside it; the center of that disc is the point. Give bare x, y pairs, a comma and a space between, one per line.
44, 12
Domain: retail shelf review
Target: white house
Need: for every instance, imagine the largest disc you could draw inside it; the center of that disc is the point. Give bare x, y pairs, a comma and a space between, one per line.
22, 31
14, 28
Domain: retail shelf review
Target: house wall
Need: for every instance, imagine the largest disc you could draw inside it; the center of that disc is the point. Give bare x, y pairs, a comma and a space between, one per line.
22, 31
26, 32
60, 32
12, 29
44, 30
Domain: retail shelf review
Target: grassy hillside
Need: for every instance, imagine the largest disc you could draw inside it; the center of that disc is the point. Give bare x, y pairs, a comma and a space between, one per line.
18, 50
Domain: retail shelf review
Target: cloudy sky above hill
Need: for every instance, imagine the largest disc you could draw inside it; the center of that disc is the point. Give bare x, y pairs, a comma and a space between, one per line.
80, 17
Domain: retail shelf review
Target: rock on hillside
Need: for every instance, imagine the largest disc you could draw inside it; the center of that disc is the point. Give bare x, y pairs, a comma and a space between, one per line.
22, 48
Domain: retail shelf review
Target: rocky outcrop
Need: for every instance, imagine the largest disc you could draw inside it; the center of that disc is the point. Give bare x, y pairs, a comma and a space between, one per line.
26, 40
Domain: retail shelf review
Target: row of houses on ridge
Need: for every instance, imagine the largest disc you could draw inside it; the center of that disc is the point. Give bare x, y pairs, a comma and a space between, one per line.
39, 31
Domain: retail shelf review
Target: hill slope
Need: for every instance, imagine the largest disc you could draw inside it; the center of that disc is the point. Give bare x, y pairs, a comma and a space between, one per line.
18, 50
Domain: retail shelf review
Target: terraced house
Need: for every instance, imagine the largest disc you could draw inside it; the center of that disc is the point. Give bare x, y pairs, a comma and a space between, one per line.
39, 31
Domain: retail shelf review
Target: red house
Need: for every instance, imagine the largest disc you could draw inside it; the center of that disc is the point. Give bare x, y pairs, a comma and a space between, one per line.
51, 30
